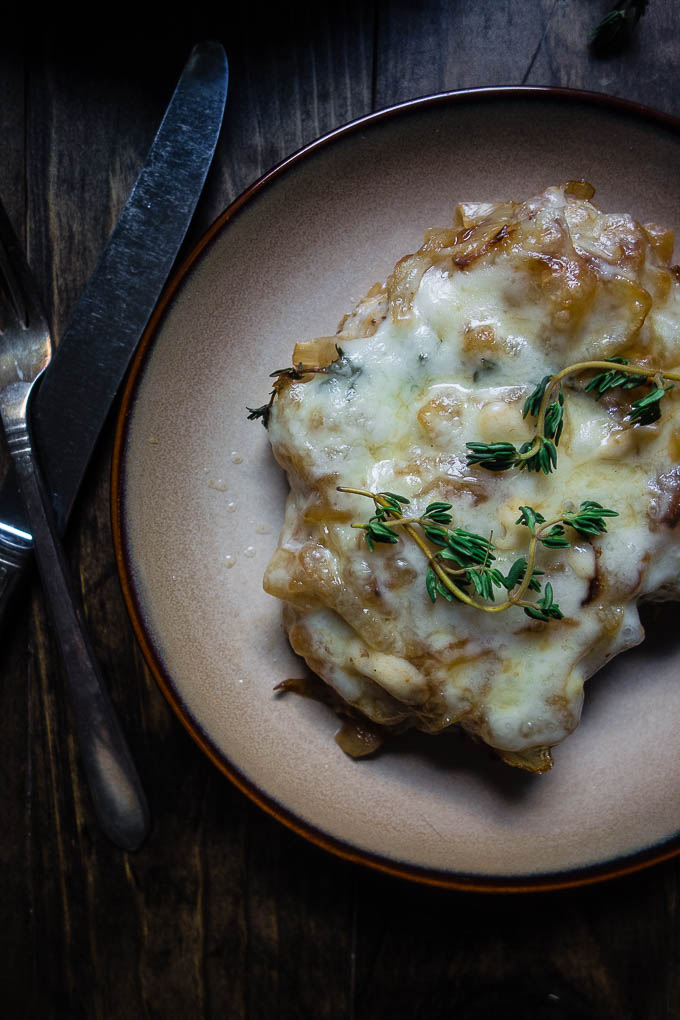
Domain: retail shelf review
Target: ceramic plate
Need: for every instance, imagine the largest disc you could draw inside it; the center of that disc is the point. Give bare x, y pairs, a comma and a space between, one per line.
198, 502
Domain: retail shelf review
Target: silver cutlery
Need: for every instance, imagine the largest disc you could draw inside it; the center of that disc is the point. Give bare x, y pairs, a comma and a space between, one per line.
96, 348
25, 351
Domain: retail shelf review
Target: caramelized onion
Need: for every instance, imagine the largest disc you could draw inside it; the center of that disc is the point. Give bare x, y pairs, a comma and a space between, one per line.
403, 283
317, 353
358, 739
579, 189
536, 760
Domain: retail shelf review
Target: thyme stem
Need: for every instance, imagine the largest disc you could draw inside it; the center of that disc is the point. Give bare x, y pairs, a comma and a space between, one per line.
582, 366
540, 453
440, 569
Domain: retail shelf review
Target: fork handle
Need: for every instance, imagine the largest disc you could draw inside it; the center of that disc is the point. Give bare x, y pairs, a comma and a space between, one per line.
117, 793
13, 559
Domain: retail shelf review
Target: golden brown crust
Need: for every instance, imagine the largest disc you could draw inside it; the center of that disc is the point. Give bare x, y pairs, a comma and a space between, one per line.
582, 284
367, 316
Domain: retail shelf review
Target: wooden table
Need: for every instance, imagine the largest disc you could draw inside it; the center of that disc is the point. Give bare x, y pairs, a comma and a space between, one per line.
224, 912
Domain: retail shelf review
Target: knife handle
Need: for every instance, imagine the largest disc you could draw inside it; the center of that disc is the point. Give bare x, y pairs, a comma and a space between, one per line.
117, 793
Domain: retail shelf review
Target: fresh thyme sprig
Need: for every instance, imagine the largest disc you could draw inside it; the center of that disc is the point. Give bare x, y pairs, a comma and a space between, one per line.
616, 28
460, 562
587, 521
296, 373
264, 411
546, 404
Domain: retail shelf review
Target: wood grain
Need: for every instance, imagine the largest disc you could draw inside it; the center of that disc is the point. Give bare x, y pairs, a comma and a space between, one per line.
224, 913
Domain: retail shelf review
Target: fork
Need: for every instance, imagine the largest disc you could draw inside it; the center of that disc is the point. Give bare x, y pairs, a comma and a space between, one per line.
25, 349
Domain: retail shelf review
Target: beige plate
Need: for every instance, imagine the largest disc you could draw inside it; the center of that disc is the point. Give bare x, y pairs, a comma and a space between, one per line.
198, 502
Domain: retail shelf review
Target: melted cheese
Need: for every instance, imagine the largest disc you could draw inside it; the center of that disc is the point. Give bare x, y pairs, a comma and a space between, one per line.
448, 353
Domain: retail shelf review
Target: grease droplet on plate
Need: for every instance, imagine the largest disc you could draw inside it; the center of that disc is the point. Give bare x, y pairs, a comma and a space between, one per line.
217, 483
249, 551
229, 561
231, 506
236, 457
263, 529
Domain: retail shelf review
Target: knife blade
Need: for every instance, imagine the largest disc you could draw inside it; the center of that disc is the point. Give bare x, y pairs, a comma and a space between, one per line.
80, 386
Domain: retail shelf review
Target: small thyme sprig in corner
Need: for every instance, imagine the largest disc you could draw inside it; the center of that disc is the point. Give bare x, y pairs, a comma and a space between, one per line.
616, 28
546, 405
460, 560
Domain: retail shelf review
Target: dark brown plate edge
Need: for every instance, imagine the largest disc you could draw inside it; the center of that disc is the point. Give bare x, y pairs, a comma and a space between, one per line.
464, 882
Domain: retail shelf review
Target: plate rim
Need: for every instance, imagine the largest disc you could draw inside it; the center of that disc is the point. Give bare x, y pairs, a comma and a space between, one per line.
571, 878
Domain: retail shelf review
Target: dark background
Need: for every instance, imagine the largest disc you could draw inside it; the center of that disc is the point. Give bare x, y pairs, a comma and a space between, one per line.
224, 912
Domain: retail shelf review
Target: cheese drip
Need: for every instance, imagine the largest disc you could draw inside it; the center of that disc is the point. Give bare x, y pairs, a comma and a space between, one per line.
444, 354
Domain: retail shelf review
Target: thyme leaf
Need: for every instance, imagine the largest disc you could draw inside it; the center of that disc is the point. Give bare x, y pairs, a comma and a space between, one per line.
589, 519
493, 456
555, 538
262, 412
516, 575
431, 583
647, 410
539, 455
545, 609
613, 379
554, 419
530, 518
616, 28
532, 404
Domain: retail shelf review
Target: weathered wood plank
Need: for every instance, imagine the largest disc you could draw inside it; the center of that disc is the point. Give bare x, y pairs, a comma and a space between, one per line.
434, 954
564, 954
216, 913
16, 972
297, 74
434, 47
225, 912
12, 128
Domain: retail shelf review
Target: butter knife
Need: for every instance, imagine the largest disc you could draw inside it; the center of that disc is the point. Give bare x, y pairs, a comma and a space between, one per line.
85, 374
